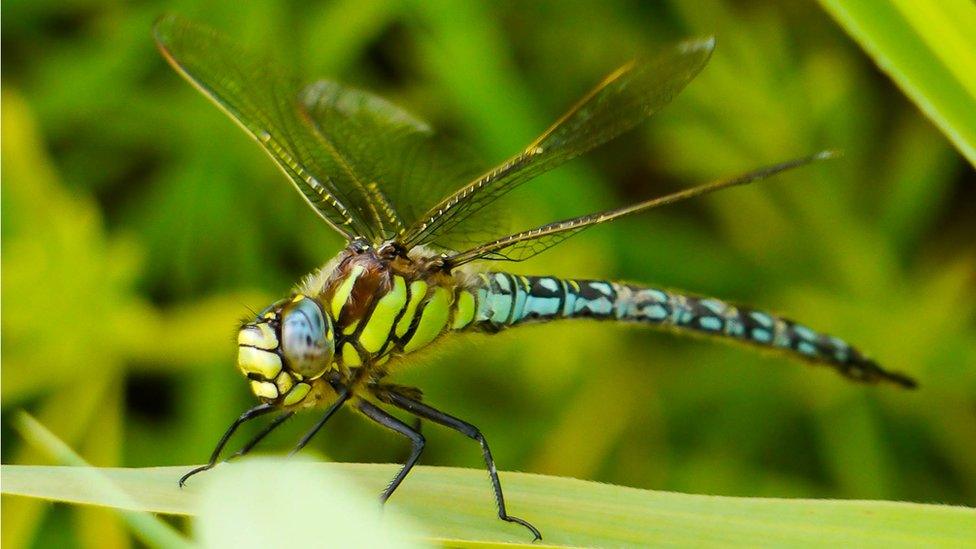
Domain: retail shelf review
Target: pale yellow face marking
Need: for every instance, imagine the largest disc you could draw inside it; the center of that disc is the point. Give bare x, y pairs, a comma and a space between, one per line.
283, 382
297, 393
258, 335
251, 360
264, 389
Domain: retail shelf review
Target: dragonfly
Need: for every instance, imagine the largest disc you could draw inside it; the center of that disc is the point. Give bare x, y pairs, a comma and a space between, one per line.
378, 176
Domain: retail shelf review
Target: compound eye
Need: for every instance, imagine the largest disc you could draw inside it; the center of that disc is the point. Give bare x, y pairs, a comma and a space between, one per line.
306, 338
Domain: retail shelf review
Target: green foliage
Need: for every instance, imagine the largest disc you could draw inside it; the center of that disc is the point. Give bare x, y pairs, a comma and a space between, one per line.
930, 51
138, 224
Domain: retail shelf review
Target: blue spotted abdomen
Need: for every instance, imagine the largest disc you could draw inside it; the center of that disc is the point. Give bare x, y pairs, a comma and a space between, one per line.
504, 300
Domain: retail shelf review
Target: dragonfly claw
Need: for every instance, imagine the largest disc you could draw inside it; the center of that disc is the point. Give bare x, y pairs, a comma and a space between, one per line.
535, 531
192, 472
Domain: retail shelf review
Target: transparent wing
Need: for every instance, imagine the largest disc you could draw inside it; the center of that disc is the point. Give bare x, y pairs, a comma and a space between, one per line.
525, 244
264, 100
624, 99
402, 164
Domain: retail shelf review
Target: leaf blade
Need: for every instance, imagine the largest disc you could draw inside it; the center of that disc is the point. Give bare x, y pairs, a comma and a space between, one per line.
454, 504
908, 43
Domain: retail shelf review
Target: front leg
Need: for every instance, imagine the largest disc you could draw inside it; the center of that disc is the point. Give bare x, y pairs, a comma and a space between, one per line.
344, 395
257, 411
275, 423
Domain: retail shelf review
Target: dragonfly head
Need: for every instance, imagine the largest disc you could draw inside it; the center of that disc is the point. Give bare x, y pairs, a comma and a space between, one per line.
287, 346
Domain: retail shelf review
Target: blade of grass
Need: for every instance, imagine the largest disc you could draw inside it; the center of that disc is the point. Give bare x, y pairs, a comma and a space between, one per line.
97, 526
68, 412
152, 531
455, 504
927, 49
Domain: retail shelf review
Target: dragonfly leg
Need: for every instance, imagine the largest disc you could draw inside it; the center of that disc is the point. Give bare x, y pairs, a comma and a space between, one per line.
343, 397
412, 392
257, 411
260, 436
424, 411
416, 439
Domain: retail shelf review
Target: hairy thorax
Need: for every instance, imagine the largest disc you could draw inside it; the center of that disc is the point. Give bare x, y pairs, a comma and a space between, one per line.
383, 307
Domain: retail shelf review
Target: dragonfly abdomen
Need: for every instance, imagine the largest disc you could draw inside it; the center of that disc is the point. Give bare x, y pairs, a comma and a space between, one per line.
505, 299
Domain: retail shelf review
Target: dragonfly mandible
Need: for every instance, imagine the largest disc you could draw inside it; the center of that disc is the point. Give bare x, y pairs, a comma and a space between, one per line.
375, 174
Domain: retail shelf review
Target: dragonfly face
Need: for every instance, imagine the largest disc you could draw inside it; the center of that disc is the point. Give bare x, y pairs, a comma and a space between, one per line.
285, 348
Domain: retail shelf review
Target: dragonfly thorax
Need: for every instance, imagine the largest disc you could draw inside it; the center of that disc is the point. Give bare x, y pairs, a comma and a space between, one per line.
340, 322
286, 349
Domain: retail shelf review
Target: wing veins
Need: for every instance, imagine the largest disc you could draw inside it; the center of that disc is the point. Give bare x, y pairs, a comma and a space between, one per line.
620, 101
254, 131
324, 193
282, 135
340, 159
550, 234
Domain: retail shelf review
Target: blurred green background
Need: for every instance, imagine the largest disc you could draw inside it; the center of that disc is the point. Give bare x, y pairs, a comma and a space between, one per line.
139, 224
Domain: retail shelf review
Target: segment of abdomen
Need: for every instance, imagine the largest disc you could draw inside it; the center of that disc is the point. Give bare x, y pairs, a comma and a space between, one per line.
504, 300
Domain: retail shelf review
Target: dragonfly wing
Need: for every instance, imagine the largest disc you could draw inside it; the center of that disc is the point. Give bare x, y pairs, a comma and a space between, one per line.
526, 244
398, 159
264, 100
624, 99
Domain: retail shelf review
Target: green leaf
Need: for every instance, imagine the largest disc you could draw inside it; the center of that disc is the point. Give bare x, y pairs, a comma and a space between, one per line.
454, 504
149, 529
929, 49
